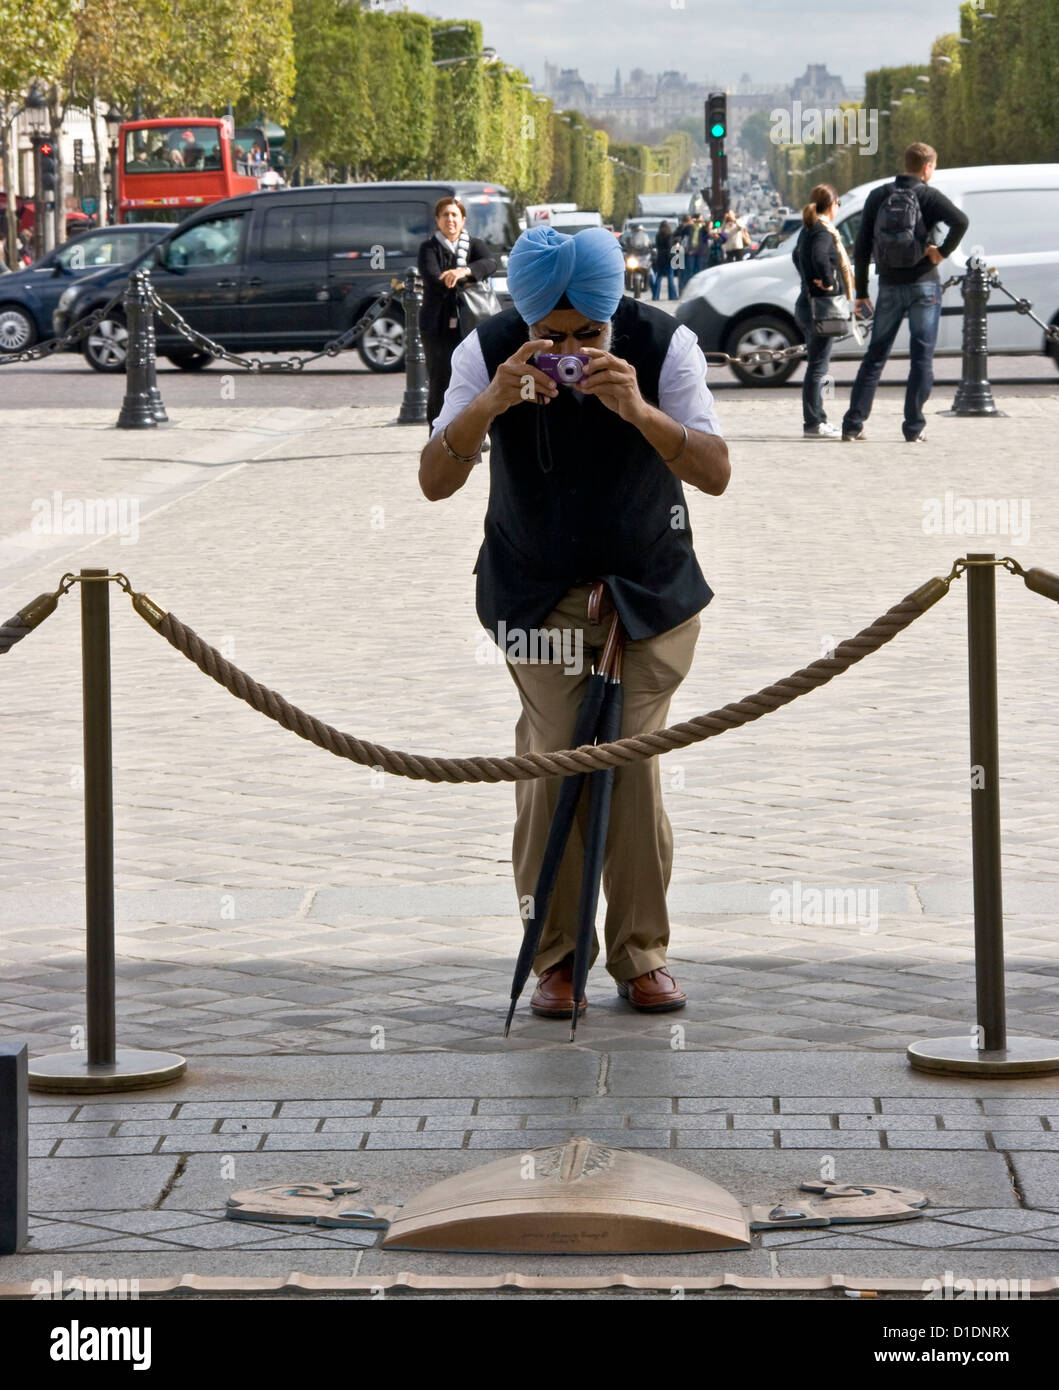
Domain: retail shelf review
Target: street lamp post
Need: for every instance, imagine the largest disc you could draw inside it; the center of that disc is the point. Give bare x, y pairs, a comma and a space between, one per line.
36, 109
113, 120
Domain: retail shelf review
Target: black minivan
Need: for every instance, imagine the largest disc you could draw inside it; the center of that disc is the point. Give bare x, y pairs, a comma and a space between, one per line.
288, 270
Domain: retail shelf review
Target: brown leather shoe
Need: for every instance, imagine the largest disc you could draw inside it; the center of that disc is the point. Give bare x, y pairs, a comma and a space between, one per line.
554, 995
654, 992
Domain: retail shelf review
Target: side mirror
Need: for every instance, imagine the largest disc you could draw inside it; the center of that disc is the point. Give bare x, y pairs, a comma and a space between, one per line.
159, 256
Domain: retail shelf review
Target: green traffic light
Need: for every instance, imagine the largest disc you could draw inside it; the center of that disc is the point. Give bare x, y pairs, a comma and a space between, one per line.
717, 130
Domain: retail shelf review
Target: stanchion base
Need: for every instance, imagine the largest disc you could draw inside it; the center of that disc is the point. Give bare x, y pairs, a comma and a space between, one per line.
986, 413
130, 1071
958, 1057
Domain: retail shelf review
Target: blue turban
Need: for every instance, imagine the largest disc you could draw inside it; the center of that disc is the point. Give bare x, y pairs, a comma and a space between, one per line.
545, 264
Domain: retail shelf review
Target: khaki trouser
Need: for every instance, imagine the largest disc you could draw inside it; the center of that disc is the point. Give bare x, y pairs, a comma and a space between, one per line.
639, 850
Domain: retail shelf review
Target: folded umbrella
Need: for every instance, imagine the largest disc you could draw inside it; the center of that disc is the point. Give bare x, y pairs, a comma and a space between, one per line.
602, 685
601, 785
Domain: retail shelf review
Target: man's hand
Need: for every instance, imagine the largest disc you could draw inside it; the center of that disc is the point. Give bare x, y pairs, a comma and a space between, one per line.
934, 256
613, 380
862, 307
517, 380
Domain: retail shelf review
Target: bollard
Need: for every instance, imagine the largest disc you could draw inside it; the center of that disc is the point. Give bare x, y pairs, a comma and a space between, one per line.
102, 1067
137, 412
158, 409
974, 395
414, 402
988, 1051
14, 1148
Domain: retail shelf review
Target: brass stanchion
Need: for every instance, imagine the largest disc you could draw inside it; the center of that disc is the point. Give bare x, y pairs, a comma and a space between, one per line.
102, 1067
987, 1050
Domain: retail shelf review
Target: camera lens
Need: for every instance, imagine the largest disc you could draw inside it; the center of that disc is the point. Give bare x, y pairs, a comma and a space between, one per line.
570, 369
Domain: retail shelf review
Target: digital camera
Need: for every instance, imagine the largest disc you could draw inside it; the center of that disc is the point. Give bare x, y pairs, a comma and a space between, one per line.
565, 368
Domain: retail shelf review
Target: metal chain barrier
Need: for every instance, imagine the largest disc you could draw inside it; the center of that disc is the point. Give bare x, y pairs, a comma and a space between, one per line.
756, 357
1051, 330
199, 340
531, 765
73, 335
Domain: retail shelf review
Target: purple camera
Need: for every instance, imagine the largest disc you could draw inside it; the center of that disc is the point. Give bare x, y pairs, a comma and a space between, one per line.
564, 368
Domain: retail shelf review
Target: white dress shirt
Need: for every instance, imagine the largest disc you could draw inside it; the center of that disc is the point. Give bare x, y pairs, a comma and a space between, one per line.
682, 391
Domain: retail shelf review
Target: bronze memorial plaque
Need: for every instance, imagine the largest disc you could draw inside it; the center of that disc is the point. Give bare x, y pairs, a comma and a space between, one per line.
572, 1199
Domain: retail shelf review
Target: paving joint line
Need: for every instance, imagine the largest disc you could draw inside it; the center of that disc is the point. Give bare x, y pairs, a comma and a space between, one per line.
174, 1178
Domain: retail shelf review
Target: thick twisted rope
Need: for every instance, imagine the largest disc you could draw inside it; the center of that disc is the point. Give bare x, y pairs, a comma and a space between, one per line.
25, 620
530, 765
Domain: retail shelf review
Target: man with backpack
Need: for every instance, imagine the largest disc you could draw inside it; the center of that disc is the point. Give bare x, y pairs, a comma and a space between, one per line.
896, 231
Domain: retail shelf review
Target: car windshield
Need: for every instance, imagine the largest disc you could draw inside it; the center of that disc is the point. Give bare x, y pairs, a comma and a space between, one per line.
174, 150
492, 219
114, 248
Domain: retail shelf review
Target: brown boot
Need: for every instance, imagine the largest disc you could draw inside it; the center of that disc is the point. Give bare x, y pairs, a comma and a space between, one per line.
653, 993
554, 995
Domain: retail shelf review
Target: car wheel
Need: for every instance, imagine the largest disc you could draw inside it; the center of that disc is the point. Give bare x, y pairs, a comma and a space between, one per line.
17, 329
105, 348
1051, 347
190, 361
381, 345
763, 331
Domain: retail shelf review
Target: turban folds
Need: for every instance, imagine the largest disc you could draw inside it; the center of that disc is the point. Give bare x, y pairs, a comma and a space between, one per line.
545, 264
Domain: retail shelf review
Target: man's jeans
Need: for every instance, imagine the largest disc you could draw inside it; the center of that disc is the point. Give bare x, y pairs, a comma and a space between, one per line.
922, 303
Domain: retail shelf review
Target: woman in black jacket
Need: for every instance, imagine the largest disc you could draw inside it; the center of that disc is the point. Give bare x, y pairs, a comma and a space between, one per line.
445, 259
823, 265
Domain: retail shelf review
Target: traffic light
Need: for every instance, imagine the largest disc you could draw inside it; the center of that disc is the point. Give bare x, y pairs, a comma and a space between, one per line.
717, 117
47, 167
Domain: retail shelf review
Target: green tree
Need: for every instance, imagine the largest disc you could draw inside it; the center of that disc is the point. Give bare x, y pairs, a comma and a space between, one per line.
754, 134
37, 40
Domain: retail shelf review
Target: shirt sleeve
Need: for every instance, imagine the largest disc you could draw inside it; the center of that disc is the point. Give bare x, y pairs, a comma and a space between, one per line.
470, 377
944, 210
862, 251
682, 391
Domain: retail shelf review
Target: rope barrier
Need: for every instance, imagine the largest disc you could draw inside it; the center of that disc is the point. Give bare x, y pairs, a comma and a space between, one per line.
26, 619
527, 766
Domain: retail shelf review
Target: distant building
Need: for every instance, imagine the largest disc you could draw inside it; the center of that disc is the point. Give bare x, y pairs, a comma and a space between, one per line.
644, 106
818, 87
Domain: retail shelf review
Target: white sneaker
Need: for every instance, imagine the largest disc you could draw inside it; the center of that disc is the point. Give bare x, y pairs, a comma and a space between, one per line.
824, 431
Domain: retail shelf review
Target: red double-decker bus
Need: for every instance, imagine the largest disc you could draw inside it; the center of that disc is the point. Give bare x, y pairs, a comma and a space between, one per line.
169, 167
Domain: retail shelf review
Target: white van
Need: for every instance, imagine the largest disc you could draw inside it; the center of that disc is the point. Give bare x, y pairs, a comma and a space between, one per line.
570, 223
1014, 216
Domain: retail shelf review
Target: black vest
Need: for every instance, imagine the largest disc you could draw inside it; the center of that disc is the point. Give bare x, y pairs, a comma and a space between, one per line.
577, 494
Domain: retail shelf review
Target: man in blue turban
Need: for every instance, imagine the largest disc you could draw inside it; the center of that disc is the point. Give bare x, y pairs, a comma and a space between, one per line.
586, 485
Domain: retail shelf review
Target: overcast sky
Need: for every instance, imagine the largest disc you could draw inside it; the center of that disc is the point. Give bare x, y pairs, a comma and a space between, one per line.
772, 40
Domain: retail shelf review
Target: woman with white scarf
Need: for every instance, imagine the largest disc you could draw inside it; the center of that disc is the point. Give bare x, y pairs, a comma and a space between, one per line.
821, 261
445, 259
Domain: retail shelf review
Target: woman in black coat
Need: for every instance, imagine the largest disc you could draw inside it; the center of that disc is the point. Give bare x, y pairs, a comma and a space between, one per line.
823, 265
445, 259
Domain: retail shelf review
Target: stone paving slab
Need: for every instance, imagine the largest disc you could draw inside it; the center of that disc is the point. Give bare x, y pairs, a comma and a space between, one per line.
276, 907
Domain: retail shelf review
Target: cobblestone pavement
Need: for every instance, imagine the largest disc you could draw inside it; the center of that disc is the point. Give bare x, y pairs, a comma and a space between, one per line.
279, 910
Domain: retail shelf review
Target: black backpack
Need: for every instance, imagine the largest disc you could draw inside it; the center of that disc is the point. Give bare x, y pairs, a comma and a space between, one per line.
900, 240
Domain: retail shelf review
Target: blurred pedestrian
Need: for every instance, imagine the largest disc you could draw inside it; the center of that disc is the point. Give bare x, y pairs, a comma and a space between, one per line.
825, 271
735, 237
664, 244
450, 256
